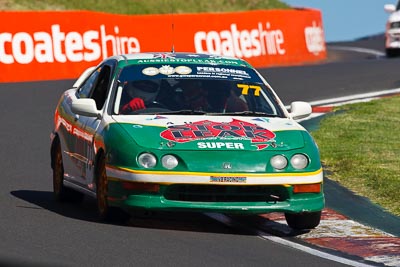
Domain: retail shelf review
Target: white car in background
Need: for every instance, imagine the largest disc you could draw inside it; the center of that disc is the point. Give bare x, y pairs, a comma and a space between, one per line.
392, 33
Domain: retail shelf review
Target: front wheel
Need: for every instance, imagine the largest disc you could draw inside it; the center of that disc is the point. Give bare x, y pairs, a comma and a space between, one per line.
304, 220
391, 52
105, 212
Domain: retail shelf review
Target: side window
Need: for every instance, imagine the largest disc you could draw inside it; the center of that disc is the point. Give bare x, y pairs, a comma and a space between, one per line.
96, 86
86, 88
99, 93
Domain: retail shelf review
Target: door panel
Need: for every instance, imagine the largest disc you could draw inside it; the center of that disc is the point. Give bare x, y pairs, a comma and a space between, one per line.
69, 124
87, 126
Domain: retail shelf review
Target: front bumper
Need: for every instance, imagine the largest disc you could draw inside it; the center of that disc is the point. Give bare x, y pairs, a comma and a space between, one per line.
302, 203
246, 194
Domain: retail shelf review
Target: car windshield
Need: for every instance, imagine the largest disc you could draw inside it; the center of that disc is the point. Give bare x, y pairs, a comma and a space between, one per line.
193, 90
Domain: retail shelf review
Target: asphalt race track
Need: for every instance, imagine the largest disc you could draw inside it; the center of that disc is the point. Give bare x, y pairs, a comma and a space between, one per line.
36, 231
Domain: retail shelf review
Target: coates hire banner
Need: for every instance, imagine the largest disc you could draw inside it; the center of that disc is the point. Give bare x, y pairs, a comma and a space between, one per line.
60, 45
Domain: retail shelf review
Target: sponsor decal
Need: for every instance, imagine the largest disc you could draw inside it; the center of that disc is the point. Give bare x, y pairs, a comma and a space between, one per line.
222, 72
183, 70
150, 71
208, 72
315, 40
191, 61
166, 70
247, 43
73, 129
219, 179
219, 134
56, 45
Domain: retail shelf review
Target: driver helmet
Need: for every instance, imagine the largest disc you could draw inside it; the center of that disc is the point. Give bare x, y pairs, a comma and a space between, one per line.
192, 89
144, 89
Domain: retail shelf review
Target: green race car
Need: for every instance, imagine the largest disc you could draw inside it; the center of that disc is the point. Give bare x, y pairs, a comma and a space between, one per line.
182, 131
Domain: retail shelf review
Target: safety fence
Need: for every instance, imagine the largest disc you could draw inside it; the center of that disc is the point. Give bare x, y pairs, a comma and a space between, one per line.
51, 45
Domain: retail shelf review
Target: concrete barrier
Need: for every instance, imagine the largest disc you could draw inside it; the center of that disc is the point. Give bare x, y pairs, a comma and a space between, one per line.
51, 45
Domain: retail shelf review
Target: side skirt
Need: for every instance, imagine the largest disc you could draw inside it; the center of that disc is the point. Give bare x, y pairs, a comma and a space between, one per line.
79, 188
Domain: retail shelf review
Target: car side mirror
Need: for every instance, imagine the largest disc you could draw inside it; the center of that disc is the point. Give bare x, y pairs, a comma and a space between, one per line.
300, 110
389, 8
85, 107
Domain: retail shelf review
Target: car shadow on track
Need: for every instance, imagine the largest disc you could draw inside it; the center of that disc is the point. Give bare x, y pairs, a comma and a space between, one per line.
163, 220
45, 200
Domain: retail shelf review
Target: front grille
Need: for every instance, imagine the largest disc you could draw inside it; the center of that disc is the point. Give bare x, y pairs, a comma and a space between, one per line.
223, 193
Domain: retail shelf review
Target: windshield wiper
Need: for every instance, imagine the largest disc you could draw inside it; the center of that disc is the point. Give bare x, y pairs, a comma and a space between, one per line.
245, 113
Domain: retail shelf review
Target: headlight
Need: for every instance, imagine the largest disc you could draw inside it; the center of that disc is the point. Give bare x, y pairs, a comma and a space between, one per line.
169, 162
147, 160
279, 162
299, 161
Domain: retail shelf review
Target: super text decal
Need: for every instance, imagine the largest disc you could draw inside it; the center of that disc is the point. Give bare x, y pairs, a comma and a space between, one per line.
220, 135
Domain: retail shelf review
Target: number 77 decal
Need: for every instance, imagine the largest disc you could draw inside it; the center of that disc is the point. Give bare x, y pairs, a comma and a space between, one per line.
245, 89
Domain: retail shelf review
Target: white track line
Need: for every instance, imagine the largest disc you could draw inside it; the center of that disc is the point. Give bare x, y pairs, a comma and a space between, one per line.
344, 99
228, 221
338, 101
358, 49
309, 250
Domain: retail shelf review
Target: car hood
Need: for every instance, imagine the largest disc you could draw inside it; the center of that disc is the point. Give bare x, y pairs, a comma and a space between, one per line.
212, 132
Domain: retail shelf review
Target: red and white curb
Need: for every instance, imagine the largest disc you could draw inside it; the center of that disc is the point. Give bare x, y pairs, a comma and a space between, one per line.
322, 107
363, 245
339, 233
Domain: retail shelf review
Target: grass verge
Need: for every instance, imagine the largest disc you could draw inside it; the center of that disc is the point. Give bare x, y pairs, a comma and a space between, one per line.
143, 7
360, 145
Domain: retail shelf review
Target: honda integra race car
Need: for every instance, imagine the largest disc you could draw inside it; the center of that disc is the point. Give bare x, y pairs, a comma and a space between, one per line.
181, 131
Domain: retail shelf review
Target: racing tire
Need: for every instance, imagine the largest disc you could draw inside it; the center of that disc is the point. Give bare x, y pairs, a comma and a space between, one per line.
391, 52
62, 193
105, 211
304, 220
